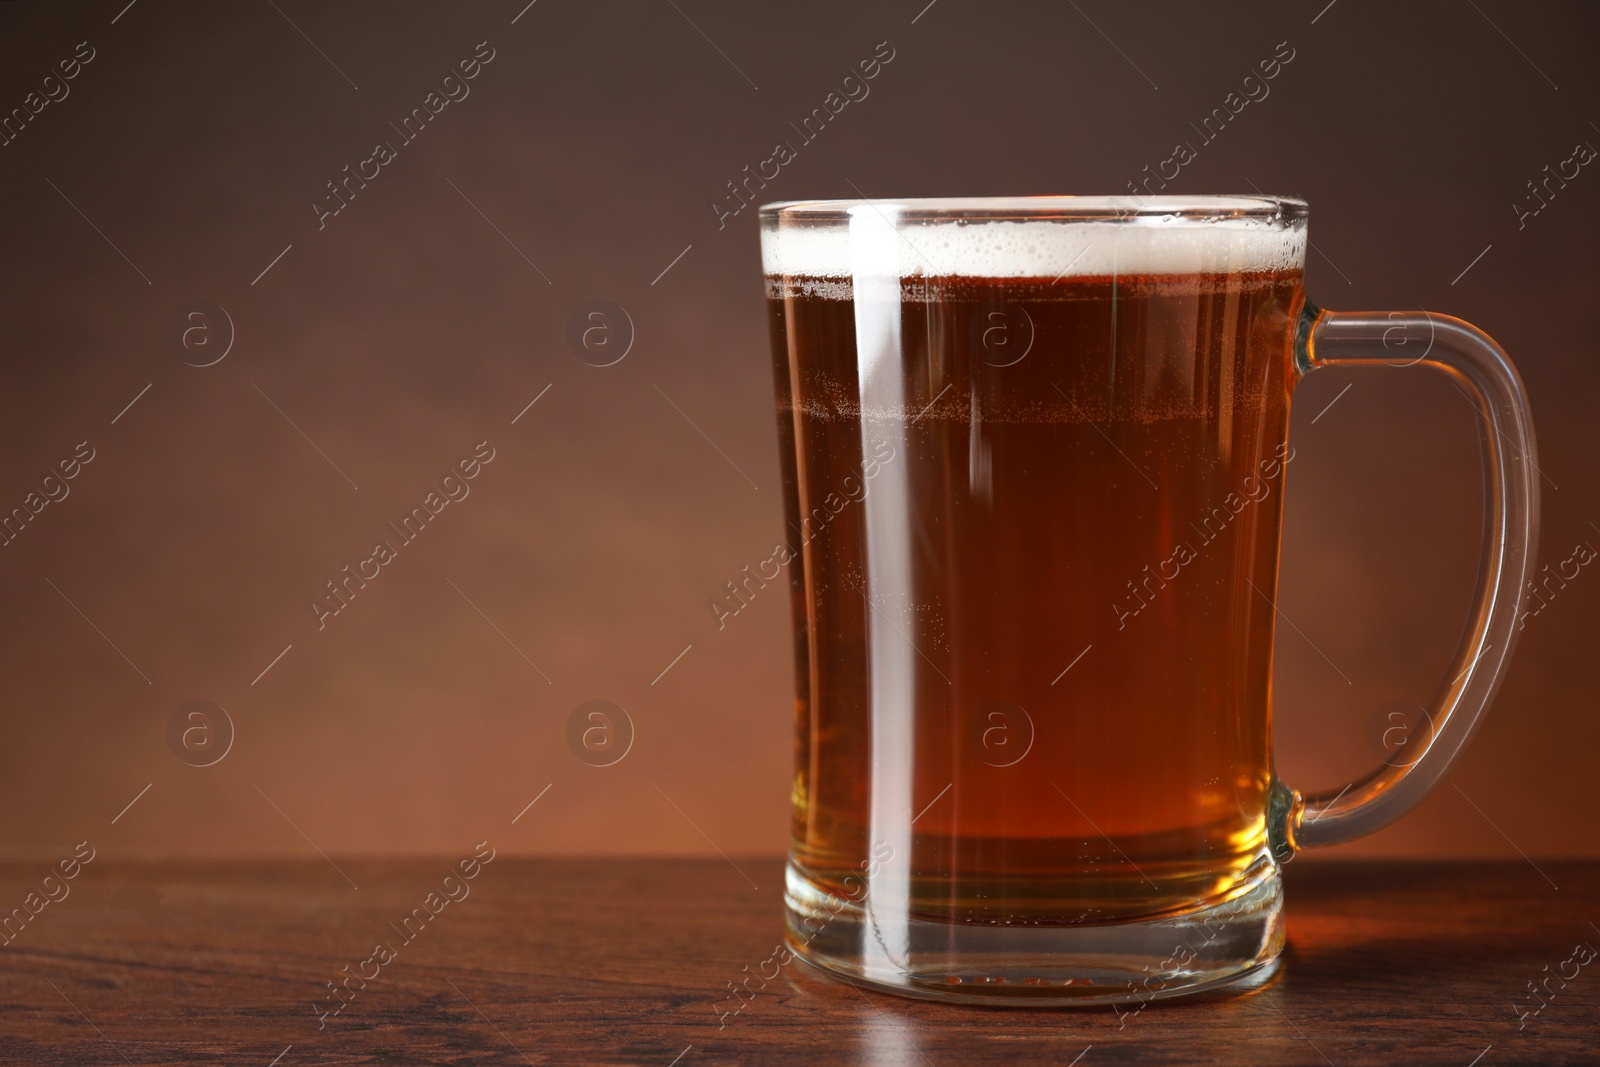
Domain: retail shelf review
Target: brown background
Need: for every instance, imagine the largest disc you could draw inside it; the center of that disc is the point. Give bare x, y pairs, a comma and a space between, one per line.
408, 330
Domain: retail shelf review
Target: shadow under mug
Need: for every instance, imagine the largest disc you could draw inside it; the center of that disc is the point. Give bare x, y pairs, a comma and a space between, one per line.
1034, 453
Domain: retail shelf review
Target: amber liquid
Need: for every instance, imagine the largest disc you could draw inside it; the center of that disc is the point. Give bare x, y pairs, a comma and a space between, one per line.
1030, 509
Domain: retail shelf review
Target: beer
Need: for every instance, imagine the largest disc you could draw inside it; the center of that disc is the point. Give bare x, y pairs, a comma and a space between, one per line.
1034, 518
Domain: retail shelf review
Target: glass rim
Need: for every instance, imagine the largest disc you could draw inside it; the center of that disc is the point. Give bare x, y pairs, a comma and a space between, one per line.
1283, 209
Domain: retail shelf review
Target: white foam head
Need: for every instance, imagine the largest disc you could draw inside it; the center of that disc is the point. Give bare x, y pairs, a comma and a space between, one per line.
924, 238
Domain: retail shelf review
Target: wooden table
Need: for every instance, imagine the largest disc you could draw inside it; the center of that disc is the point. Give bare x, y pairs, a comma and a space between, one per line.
628, 961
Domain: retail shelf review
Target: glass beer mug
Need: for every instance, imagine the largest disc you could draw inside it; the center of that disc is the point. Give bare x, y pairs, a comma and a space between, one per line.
1034, 455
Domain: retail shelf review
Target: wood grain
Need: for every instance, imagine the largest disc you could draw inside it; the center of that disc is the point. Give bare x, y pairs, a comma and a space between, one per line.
627, 962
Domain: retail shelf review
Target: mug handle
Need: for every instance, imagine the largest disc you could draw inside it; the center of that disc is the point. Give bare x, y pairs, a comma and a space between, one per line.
1480, 370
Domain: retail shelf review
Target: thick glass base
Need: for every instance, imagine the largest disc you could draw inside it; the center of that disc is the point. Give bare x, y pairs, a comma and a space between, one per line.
1046, 966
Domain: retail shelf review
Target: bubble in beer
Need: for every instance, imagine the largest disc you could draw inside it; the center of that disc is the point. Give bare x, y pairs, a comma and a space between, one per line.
600, 733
